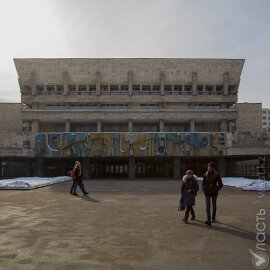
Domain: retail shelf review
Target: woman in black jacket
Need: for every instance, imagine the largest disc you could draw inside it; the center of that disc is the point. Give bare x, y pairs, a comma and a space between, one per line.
211, 185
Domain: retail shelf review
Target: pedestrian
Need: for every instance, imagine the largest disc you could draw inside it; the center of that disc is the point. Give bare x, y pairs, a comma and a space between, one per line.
211, 185
76, 175
189, 190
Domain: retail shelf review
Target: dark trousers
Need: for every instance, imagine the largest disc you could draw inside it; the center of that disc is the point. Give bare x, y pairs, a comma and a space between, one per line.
74, 187
208, 199
189, 209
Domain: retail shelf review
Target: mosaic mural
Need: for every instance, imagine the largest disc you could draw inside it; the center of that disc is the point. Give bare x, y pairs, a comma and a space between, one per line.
84, 144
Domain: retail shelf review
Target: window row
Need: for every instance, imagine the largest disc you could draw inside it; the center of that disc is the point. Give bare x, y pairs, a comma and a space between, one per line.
135, 127
124, 106
136, 90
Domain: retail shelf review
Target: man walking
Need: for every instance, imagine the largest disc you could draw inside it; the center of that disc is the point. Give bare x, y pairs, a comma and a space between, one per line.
211, 185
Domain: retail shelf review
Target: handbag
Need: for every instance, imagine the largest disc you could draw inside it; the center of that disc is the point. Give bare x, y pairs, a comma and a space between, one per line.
181, 206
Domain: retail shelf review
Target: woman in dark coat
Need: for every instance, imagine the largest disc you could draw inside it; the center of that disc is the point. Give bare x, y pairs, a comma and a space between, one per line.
189, 191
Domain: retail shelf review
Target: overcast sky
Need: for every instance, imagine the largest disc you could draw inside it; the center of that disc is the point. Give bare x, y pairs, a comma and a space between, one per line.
138, 28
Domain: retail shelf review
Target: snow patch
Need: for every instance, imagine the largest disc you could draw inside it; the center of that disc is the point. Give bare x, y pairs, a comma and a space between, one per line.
27, 183
245, 183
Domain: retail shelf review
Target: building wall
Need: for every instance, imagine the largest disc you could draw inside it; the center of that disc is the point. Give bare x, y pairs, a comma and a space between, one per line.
266, 119
249, 117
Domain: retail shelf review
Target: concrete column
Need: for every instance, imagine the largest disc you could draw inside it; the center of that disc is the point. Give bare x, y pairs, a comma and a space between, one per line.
68, 125
131, 168
33, 83
192, 125
98, 78
130, 83
40, 167
222, 166
176, 168
99, 126
225, 83
161, 125
65, 82
35, 126
86, 168
130, 125
162, 78
194, 84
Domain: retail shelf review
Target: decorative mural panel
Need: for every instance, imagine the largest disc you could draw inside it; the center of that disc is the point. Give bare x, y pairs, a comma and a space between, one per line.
169, 144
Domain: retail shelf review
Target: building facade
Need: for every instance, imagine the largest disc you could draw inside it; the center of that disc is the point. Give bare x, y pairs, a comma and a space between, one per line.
127, 118
266, 119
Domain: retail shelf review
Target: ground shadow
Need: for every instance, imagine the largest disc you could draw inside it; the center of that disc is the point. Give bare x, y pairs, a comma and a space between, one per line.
227, 228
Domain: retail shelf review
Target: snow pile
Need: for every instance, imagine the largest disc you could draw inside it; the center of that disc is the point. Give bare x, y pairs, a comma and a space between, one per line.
245, 184
31, 182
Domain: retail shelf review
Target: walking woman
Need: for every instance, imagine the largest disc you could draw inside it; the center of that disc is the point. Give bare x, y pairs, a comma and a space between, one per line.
211, 185
189, 191
76, 175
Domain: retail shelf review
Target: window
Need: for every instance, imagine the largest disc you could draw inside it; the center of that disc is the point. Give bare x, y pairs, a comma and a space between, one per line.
167, 90
200, 89
114, 127
146, 89
27, 90
114, 89
264, 123
92, 90
177, 89
83, 106
207, 106
40, 90
187, 89
145, 127
72, 90
264, 112
82, 90
219, 89
136, 89
50, 89
122, 106
55, 106
156, 89
59, 89
104, 90
264, 118
124, 90
209, 89
232, 90
149, 106
83, 127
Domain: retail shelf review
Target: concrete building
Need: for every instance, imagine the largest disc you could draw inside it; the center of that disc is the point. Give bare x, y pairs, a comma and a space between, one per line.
266, 119
128, 118
249, 116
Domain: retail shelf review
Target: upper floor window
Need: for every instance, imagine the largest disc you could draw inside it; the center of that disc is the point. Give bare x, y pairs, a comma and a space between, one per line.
151, 106
156, 89
167, 90
40, 90
146, 89
26, 90
82, 90
72, 90
177, 89
136, 89
207, 106
120, 106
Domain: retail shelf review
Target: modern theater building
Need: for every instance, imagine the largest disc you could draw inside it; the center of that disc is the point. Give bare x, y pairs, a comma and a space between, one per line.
127, 118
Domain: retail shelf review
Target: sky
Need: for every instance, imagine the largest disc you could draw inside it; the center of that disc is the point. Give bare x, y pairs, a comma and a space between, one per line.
138, 28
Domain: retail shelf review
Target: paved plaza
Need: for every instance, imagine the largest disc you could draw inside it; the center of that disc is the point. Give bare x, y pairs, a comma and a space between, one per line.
125, 225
